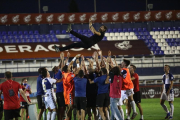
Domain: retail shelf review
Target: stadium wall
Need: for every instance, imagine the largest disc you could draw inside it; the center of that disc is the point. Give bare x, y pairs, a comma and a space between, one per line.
59, 6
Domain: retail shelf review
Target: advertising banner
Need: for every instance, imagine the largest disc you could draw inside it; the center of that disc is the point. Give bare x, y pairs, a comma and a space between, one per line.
66, 18
154, 91
45, 50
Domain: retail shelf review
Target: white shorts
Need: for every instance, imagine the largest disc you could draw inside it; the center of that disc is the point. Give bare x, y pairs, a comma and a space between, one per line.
170, 97
123, 97
50, 102
129, 92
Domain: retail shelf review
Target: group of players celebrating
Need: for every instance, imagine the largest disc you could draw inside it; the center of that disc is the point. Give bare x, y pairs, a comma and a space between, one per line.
87, 89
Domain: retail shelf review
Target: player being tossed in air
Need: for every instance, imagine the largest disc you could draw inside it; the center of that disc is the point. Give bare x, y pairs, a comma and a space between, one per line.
167, 92
86, 42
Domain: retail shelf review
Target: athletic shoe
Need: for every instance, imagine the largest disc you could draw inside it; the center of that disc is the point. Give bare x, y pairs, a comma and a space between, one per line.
127, 119
56, 48
141, 119
167, 116
134, 115
170, 118
69, 28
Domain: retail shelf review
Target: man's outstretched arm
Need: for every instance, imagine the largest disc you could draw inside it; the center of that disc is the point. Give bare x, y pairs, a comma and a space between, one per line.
92, 28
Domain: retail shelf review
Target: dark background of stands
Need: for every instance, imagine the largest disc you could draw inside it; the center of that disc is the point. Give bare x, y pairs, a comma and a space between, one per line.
60, 6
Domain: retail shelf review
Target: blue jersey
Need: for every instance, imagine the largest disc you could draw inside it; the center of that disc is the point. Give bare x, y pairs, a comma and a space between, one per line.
80, 87
166, 80
102, 87
59, 86
39, 86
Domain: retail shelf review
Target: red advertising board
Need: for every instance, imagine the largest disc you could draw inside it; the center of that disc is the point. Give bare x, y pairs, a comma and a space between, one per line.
56, 18
44, 50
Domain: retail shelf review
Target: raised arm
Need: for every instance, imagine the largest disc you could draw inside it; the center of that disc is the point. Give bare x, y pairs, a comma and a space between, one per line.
115, 60
67, 59
101, 56
83, 64
77, 56
92, 28
62, 59
90, 81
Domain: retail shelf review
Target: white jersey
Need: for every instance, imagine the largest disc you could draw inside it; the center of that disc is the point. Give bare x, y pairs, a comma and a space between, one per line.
49, 98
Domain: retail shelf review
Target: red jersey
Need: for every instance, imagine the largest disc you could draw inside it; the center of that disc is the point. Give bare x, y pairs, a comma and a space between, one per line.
27, 94
115, 87
10, 102
136, 82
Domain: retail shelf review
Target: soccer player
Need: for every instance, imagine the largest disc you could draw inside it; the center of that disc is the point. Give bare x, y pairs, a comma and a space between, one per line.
68, 85
24, 106
49, 96
103, 99
10, 90
128, 86
137, 94
86, 42
59, 87
40, 93
167, 92
80, 94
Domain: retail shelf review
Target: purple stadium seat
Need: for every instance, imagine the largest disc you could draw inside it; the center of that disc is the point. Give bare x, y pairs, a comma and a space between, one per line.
42, 36
141, 33
174, 28
169, 28
161, 52
51, 32
5, 37
158, 48
34, 40
48, 36
30, 32
149, 37
7, 41
156, 52
58, 32
80, 31
154, 29
129, 30
18, 40
104, 38
134, 29
85, 31
115, 30
25, 32
154, 44
63, 31
151, 41
152, 48
164, 28
119, 30
29, 40
159, 29
15, 33
11, 36
36, 32
3, 33
144, 29
20, 33
27, 36
109, 30
89, 31
139, 29
39, 40
9, 32
23, 40
125, 30
73, 39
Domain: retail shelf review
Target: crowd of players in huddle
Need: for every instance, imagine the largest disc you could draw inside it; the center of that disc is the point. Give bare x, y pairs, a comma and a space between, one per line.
84, 90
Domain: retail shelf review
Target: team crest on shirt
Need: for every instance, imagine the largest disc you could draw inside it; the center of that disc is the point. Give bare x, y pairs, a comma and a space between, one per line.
117, 80
125, 45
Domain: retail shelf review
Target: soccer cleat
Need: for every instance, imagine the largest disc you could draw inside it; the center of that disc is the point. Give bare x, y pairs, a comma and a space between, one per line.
69, 28
134, 115
141, 119
170, 118
167, 116
127, 119
56, 48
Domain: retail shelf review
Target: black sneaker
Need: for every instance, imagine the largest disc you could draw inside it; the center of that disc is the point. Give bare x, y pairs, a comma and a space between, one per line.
69, 28
56, 48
